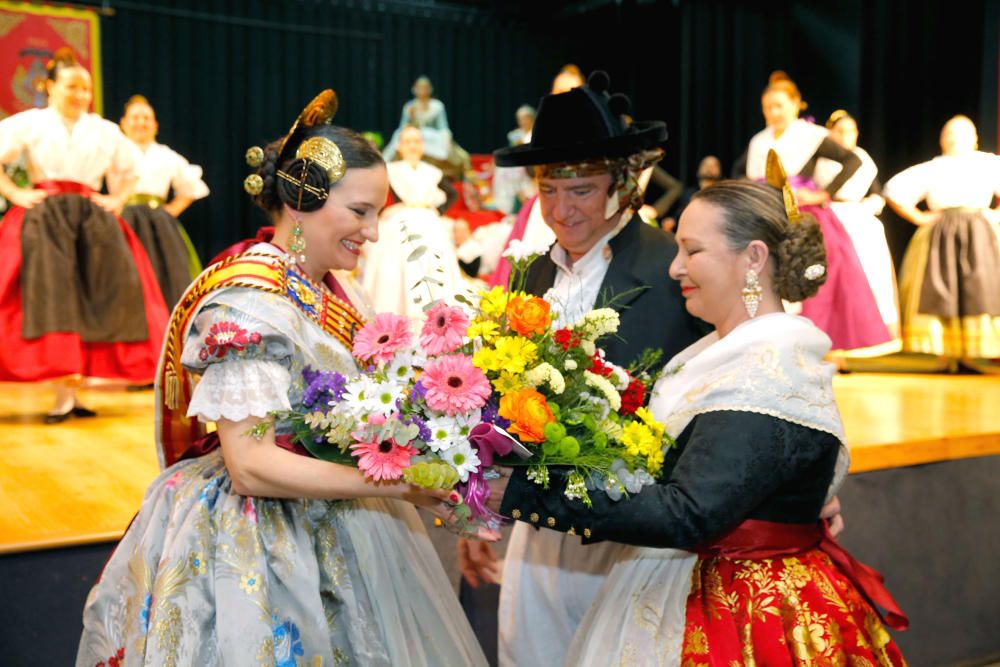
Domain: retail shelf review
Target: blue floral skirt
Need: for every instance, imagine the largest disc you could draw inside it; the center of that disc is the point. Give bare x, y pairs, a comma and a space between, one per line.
204, 576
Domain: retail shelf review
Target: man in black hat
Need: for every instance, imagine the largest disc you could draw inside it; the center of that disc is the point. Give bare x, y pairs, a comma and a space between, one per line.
587, 161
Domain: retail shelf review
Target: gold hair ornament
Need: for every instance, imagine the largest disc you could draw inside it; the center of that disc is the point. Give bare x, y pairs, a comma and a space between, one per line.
775, 177
836, 117
255, 156
253, 184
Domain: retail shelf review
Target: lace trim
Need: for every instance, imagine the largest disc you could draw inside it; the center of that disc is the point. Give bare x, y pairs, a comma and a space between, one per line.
238, 389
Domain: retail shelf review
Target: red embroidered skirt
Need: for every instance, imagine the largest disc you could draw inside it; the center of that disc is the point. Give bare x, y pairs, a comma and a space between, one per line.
67, 351
789, 609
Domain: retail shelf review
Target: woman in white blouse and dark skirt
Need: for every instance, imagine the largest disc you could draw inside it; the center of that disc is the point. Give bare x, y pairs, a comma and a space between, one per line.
78, 296
152, 217
950, 280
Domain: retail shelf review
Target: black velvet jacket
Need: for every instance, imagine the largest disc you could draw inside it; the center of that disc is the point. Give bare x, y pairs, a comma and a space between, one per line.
727, 467
653, 316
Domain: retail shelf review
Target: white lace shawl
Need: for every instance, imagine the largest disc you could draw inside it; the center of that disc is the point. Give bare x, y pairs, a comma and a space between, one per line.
769, 365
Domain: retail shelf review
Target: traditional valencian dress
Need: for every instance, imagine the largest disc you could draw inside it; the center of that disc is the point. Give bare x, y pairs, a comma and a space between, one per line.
731, 564
397, 276
78, 295
167, 243
845, 307
950, 280
205, 576
857, 204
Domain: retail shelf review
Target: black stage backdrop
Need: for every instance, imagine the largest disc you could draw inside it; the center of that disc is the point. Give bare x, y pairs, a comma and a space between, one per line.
225, 74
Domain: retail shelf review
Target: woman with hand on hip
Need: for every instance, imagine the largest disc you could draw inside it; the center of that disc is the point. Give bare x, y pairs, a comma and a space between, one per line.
78, 295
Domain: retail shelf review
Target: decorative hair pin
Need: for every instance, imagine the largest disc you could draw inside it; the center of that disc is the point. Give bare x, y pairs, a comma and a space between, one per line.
775, 176
319, 150
814, 272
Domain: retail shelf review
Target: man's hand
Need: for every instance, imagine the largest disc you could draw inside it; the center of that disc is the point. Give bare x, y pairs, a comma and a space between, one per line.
831, 514
478, 562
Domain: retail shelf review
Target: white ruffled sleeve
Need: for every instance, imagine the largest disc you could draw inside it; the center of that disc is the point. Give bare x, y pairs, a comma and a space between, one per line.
240, 388
187, 179
243, 363
909, 187
122, 166
14, 133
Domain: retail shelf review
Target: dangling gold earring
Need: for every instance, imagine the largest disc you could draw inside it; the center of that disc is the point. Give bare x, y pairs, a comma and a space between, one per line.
752, 292
298, 244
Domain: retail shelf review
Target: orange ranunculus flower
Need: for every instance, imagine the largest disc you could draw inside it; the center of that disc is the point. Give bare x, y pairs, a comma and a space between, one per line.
528, 315
528, 413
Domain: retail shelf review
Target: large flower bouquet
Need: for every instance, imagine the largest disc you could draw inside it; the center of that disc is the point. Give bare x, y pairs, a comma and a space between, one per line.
490, 381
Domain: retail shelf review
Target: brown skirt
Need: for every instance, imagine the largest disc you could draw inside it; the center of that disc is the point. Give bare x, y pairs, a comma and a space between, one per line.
160, 235
77, 273
962, 275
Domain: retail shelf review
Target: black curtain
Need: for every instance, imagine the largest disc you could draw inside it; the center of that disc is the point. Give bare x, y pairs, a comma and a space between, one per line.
227, 74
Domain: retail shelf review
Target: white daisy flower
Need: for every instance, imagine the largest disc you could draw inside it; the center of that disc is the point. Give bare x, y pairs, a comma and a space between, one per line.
462, 458
359, 395
384, 396
403, 367
465, 423
444, 433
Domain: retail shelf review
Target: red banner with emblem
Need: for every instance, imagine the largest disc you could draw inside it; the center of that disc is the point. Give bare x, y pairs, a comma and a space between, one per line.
30, 34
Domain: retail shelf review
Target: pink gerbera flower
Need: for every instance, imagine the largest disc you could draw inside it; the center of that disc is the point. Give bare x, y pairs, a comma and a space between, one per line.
444, 329
381, 338
454, 385
384, 459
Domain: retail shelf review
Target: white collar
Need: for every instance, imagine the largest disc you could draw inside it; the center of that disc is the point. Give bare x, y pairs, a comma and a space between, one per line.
560, 256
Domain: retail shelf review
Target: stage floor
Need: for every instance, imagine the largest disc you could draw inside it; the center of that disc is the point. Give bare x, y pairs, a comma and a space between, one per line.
82, 481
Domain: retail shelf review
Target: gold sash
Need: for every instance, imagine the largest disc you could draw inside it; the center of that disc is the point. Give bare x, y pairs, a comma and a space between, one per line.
262, 271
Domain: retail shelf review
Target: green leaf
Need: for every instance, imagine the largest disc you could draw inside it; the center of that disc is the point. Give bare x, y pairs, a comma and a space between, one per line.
417, 254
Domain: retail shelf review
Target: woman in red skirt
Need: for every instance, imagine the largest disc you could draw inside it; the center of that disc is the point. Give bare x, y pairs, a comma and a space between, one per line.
732, 564
78, 296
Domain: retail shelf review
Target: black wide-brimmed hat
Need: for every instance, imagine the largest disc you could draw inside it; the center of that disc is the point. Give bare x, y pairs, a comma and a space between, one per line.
585, 123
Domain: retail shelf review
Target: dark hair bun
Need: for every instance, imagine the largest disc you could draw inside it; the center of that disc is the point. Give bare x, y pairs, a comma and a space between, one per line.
275, 191
302, 199
801, 248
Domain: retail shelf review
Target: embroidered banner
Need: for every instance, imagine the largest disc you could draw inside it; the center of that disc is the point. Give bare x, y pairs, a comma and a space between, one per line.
30, 34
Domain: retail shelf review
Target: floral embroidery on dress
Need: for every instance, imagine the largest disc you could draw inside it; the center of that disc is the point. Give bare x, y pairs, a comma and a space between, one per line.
250, 583
116, 660
287, 644
225, 336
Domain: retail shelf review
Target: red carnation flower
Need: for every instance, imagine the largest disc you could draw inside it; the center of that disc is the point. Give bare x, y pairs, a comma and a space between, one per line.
634, 397
567, 339
598, 367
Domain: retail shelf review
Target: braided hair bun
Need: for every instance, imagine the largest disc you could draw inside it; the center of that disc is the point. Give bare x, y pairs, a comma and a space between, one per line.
801, 248
756, 212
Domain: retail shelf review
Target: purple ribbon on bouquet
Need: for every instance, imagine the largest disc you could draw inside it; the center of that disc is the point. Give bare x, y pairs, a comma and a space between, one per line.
490, 441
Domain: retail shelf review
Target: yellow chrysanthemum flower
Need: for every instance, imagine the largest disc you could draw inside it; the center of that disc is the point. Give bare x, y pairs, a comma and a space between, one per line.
638, 439
494, 302
514, 353
486, 360
654, 461
647, 418
508, 383
488, 330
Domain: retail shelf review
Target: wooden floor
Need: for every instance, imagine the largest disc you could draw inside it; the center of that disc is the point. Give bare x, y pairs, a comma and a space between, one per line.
83, 480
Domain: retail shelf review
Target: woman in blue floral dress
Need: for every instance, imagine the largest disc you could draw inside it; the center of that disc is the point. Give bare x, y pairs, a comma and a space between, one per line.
247, 550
